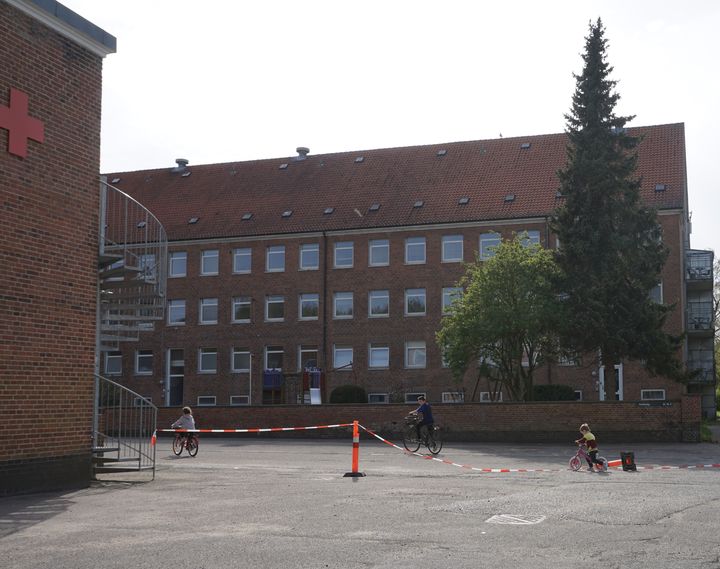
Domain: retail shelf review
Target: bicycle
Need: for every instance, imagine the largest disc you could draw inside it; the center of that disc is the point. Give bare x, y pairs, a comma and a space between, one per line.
576, 461
189, 442
432, 439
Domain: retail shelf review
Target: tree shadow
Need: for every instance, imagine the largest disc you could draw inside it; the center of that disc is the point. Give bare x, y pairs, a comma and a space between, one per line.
20, 512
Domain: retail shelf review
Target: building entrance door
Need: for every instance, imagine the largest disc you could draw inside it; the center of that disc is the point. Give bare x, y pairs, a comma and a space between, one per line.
175, 377
613, 382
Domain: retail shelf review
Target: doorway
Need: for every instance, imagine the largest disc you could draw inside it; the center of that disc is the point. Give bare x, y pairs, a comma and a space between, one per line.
610, 385
175, 377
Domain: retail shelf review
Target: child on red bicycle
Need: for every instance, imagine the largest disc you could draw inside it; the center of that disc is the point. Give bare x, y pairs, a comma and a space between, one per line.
186, 421
589, 440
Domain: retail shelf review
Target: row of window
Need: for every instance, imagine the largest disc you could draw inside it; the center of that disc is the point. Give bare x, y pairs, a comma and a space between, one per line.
343, 254
309, 306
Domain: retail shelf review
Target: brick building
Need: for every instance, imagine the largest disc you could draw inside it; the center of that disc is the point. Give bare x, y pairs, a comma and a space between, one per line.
345, 262
50, 95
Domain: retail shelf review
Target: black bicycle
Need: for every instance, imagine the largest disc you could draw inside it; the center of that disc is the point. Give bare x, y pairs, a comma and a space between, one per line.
430, 436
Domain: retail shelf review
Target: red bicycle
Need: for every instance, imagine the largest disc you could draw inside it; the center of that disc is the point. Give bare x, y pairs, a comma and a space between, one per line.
581, 454
187, 441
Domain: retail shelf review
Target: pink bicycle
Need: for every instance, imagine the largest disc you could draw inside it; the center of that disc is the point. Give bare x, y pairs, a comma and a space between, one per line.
581, 455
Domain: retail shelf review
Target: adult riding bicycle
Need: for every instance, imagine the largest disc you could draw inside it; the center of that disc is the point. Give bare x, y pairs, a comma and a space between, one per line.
187, 441
429, 435
581, 454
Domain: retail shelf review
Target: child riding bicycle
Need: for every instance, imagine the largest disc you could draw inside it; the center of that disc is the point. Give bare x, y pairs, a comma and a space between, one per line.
424, 411
186, 421
588, 439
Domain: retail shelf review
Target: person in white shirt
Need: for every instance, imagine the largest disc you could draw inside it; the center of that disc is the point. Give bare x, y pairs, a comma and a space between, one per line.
186, 421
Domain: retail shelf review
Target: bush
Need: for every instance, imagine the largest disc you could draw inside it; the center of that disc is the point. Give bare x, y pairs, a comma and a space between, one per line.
553, 393
348, 394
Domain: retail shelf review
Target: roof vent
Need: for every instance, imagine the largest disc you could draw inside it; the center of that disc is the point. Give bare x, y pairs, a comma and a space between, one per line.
359, 159
193, 220
509, 198
114, 180
287, 213
186, 173
525, 145
141, 224
302, 152
375, 207
181, 164
660, 187
247, 216
464, 201
328, 210
283, 166
419, 203
441, 152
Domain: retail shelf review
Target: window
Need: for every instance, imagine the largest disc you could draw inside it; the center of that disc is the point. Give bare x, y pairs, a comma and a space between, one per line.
449, 295
176, 312
343, 254
453, 397
379, 303
578, 395
208, 311
656, 293
206, 400
568, 360
113, 363
274, 356
379, 356
275, 308
242, 260
487, 397
275, 260
379, 253
241, 309
178, 264
308, 357
415, 301
415, 250
210, 262
412, 396
309, 257
240, 360
207, 360
415, 354
143, 362
239, 400
342, 357
488, 243
309, 306
452, 248
531, 238
652, 394
147, 266
343, 305
382, 398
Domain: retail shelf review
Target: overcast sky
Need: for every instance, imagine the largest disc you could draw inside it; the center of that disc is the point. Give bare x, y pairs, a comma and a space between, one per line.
224, 80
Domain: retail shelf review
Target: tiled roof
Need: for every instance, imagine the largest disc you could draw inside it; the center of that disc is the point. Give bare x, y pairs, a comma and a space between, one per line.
485, 171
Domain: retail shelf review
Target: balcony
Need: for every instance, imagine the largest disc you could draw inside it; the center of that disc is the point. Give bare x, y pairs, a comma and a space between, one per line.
699, 269
700, 318
704, 369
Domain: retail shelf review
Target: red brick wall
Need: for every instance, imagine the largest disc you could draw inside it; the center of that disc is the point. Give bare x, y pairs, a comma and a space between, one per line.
49, 207
615, 422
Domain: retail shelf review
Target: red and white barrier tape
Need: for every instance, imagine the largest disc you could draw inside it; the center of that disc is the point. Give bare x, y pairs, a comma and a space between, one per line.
269, 430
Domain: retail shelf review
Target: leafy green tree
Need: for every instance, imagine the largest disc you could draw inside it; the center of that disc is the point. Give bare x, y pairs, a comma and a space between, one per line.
505, 317
611, 252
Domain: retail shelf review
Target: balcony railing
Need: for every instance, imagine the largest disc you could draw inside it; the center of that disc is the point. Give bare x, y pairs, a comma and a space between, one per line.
704, 370
700, 316
699, 265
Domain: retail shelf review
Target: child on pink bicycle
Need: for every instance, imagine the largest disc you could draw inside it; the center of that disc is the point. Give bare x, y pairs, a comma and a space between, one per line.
589, 440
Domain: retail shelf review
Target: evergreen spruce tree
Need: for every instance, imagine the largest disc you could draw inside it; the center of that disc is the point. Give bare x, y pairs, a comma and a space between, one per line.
611, 251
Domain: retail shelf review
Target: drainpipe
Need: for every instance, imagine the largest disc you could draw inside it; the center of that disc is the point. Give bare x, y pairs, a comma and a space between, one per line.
325, 314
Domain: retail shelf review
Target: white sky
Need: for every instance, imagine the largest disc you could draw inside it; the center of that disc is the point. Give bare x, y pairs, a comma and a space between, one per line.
223, 80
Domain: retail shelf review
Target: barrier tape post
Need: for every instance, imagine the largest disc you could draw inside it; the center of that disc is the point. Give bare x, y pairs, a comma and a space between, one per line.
355, 453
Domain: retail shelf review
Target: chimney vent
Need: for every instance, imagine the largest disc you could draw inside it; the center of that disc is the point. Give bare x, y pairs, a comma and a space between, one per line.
181, 165
302, 152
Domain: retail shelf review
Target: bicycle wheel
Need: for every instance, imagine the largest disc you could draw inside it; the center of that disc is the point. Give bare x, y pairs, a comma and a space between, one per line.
410, 439
177, 445
192, 445
434, 443
575, 463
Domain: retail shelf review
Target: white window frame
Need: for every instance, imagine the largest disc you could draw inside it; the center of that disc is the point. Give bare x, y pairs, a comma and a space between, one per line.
343, 296
343, 246
532, 238
645, 395
202, 354
487, 240
378, 348
412, 243
241, 301
375, 245
239, 352
206, 400
207, 257
239, 400
174, 306
453, 397
242, 253
448, 241
411, 347
145, 354
275, 259
307, 349
449, 295
207, 304
377, 295
413, 293
379, 398
578, 395
345, 350
176, 256
412, 396
273, 350
658, 286
305, 250
485, 397
115, 356
274, 299
305, 299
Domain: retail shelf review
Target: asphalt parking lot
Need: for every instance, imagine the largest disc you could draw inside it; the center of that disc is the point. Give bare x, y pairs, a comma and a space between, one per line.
280, 503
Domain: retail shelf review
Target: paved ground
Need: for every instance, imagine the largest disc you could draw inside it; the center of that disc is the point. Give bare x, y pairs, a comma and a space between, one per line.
259, 502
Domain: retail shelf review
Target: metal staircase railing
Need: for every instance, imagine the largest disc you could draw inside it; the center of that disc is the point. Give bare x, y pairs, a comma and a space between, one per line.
132, 268
124, 429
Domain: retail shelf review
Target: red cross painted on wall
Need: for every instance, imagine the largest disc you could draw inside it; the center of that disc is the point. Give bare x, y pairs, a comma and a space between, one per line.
14, 118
